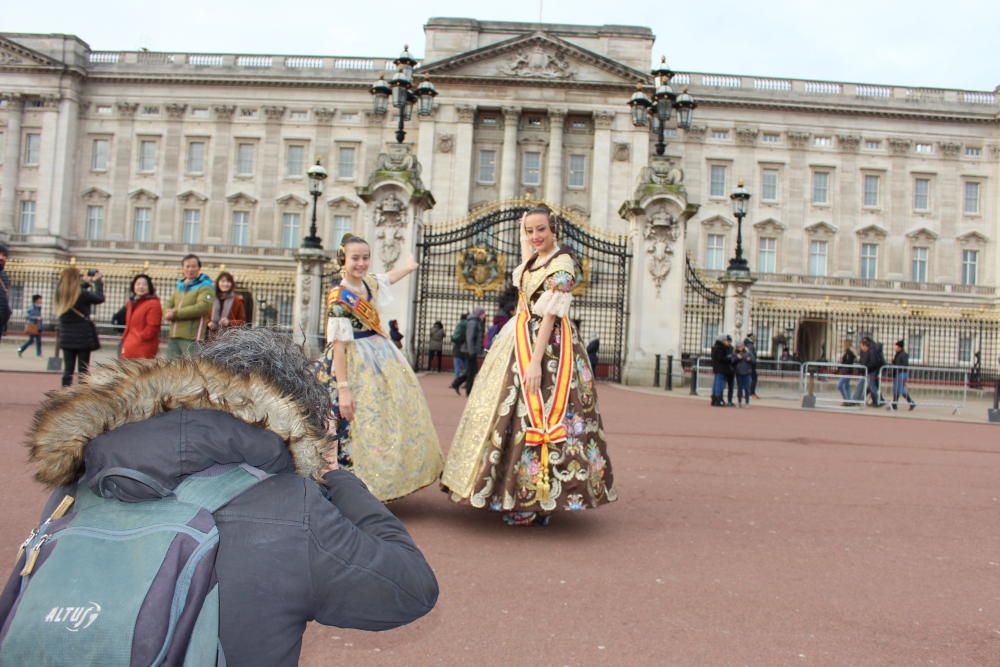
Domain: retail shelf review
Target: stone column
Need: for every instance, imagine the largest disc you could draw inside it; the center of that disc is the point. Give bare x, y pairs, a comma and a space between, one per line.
425, 144
601, 171
218, 179
463, 160
119, 214
308, 314
554, 174
170, 227
736, 312
508, 158
270, 174
11, 165
657, 215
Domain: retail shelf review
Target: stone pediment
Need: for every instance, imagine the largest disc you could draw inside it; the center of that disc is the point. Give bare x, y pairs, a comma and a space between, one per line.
292, 200
923, 233
770, 225
973, 239
142, 194
13, 54
192, 195
342, 202
96, 194
821, 228
537, 58
872, 231
718, 221
241, 199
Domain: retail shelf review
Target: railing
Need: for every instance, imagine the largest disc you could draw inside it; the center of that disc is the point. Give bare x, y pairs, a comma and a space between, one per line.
775, 378
830, 385
119, 59
924, 386
867, 283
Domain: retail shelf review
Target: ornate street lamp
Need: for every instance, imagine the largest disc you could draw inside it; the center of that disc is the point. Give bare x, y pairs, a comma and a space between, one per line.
399, 90
657, 110
740, 197
317, 179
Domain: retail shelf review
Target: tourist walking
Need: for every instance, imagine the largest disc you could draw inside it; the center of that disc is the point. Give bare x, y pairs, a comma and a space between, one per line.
901, 373
531, 440
188, 309
458, 345
474, 331
743, 370
751, 345
730, 370
33, 325
847, 359
381, 421
873, 360
5, 310
720, 366
435, 345
228, 309
77, 332
143, 320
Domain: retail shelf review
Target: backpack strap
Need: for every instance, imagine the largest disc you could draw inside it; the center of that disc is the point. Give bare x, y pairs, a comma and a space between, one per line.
215, 491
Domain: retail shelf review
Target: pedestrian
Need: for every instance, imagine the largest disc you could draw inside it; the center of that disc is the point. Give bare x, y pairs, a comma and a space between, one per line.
188, 309
901, 361
730, 370
307, 542
872, 359
751, 344
720, 364
381, 421
77, 332
458, 345
498, 323
395, 334
743, 369
474, 331
33, 325
227, 308
5, 311
847, 359
143, 320
435, 345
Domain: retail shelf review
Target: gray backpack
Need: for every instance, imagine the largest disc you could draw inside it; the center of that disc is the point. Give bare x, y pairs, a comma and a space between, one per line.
123, 584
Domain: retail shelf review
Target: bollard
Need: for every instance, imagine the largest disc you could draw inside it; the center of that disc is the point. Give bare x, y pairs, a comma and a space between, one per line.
55, 362
694, 378
656, 372
669, 383
809, 400
994, 412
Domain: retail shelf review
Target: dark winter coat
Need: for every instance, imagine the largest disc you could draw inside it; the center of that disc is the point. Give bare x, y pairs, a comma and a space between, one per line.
292, 549
474, 337
720, 358
901, 358
75, 330
5, 311
436, 339
743, 363
872, 359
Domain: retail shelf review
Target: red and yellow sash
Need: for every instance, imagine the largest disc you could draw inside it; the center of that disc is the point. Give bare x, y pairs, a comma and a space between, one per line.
357, 305
545, 428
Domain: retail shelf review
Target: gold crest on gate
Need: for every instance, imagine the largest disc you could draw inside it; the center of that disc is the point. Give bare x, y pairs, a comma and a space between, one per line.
480, 270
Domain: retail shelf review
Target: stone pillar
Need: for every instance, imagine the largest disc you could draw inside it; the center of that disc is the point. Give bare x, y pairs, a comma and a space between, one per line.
463, 160
119, 213
214, 225
425, 144
308, 313
11, 165
169, 225
736, 312
508, 158
601, 172
554, 174
657, 215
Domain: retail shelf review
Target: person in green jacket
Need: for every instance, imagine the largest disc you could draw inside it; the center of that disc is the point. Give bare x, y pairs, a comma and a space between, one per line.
188, 309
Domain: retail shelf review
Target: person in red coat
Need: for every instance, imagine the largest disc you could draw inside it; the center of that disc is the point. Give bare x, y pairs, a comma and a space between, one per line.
143, 318
227, 311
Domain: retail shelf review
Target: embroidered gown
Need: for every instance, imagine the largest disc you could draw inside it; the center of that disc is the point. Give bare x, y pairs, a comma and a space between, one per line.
391, 444
516, 455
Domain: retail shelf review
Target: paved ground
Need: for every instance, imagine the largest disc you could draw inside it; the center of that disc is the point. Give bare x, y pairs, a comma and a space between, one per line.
765, 536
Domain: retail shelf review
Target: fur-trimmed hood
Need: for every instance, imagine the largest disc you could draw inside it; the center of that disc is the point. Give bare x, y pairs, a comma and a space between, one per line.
130, 391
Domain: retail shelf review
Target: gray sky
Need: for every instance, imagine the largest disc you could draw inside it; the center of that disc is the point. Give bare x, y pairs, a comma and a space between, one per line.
911, 43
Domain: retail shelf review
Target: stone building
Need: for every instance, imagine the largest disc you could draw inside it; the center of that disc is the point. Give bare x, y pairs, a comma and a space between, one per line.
862, 193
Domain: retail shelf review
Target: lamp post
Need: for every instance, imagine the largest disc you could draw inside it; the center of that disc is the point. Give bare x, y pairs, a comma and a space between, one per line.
740, 198
399, 90
657, 110
317, 179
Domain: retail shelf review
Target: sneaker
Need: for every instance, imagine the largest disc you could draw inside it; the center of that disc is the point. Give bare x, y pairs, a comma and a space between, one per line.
20, 352
912, 405
755, 397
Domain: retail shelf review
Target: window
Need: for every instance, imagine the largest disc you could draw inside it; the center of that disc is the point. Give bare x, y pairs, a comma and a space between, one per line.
965, 349
823, 141
150, 110
922, 194
531, 168
104, 109
973, 151
26, 223
873, 144
290, 225
771, 138
918, 265
769, 185
488, 120
717, 182
924, 148
248, 113
241, 228
295, 160
196, 158
534, 121
715, 252
147, 155
869, 261
142, 223
345, 162
915, 347
577, 171
199, 112
99, 155
871, 191
487, 167
342, 224
32, 149
971, 199
709, 332
298, 114
767, 255
192, 225
94, 228
244, 159
720, 134
970, 264
821, 187
817, 258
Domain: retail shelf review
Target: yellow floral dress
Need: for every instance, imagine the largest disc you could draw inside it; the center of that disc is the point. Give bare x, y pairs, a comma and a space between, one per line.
391, 444
501, 459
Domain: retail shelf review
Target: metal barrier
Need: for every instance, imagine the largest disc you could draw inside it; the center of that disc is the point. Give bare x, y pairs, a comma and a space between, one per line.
831, 385
775, 378
925, 386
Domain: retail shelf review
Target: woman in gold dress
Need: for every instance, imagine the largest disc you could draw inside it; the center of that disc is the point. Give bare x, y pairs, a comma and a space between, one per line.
531, 441
381, 421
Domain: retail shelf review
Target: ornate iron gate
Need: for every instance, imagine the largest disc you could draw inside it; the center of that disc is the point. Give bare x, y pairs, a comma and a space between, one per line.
703, 308
468, 264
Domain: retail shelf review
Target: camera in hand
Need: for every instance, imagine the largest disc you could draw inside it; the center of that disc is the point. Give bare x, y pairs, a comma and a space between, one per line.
91, 272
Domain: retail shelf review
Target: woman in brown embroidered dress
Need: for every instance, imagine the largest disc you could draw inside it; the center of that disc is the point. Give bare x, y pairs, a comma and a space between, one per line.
531, 440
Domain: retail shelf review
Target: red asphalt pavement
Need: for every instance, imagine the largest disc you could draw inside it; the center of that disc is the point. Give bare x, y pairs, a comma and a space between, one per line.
766, 536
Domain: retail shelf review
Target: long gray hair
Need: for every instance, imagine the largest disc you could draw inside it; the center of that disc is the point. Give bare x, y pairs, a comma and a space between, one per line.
277, 359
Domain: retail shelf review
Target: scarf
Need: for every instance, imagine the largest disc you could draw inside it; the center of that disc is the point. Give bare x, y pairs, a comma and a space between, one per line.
222, 307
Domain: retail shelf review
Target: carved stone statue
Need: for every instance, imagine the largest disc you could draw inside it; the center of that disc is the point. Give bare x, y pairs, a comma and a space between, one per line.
389, 221
539, 64
660, 234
